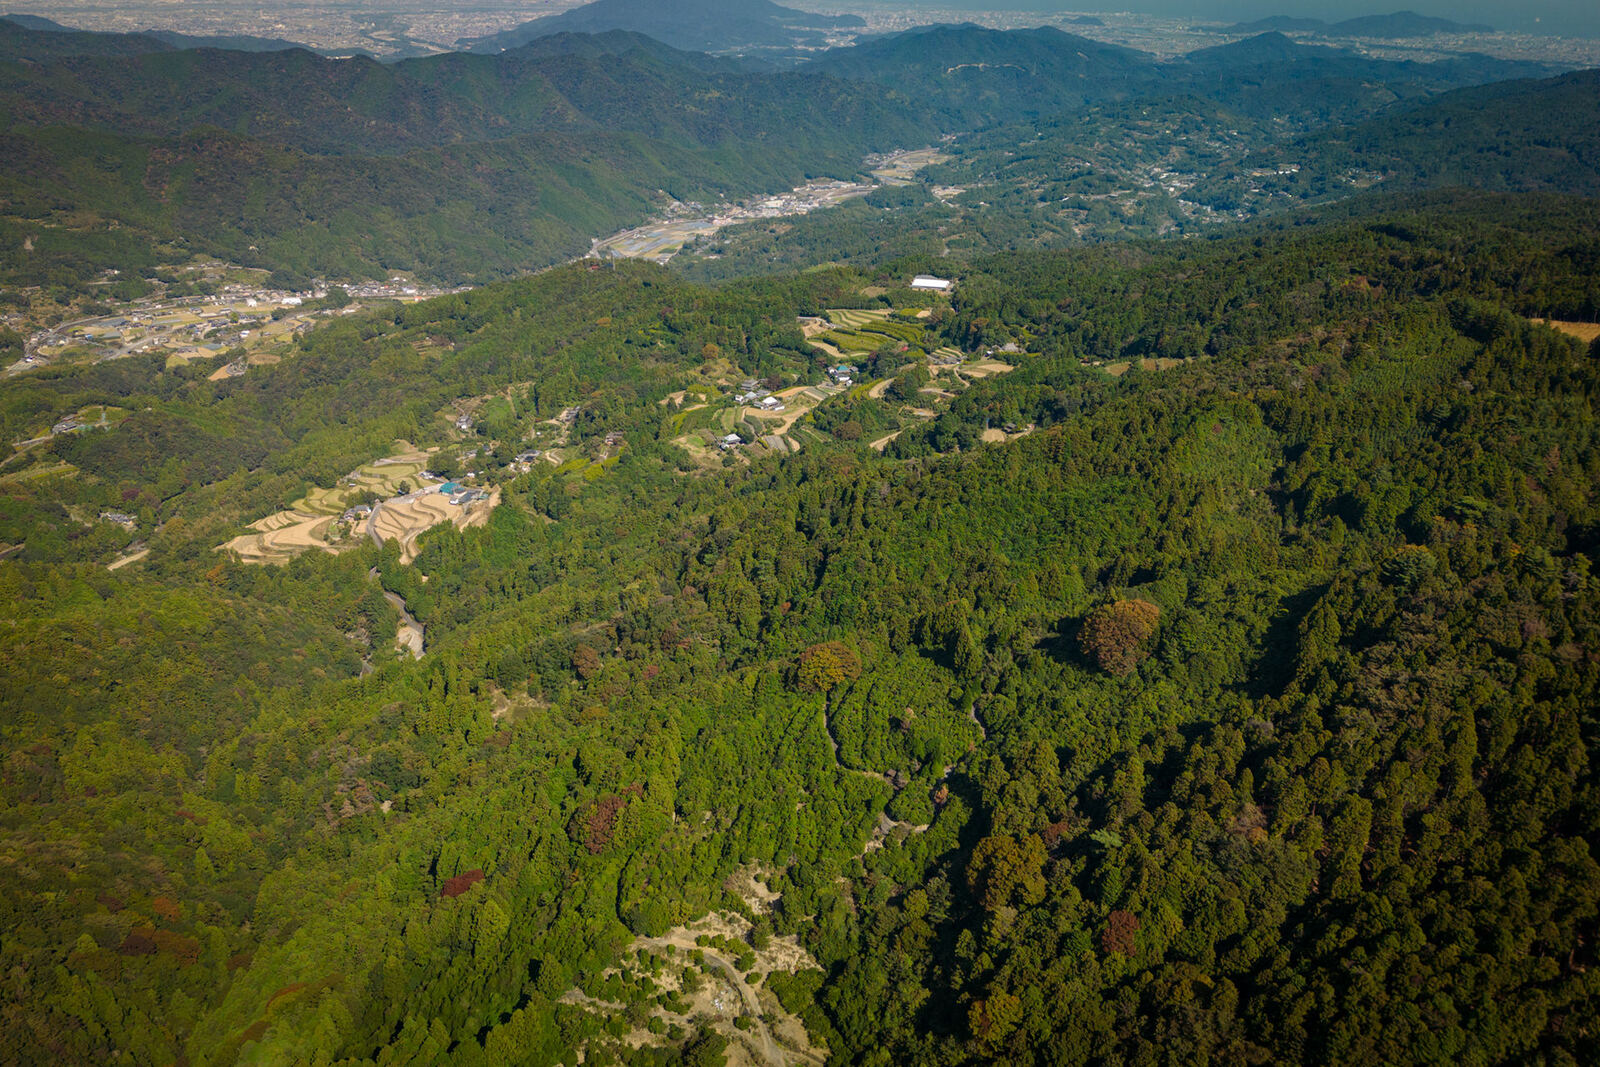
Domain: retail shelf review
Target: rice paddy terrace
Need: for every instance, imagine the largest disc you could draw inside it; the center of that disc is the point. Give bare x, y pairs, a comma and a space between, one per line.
404, 503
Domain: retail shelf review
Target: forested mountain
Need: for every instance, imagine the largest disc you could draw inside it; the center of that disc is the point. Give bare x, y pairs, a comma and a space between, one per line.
979, 76
22, 40
1271, 76
457, 166
1241, 707
698, 25
468, 167
619, 83
1521, 135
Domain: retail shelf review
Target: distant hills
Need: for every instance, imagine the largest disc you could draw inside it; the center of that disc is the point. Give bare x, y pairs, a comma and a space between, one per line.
1273, 75
702, 25
456, 166
973, 76
1400, 24
466, 167
70, 41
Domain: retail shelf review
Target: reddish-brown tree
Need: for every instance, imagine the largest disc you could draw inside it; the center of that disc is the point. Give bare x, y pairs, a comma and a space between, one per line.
1116, 635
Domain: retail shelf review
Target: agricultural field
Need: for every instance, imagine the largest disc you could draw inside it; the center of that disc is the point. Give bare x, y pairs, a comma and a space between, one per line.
1117, 368
316, 520
406, 518
854, 332
900, 168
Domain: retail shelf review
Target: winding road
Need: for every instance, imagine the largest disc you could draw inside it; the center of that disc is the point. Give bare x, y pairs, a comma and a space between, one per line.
408, 635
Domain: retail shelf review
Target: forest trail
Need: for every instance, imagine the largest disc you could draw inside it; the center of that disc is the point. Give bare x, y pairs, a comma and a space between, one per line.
131, 557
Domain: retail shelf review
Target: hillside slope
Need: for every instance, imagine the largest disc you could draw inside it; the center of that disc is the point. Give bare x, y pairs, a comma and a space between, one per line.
1238, 706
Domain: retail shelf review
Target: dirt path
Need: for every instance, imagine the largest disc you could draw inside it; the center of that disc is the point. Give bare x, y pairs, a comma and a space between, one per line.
876, 392
131, 557
883, 442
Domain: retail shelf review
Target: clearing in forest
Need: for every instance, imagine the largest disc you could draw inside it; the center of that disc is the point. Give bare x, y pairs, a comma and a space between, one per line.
1120, 367
1583, 331
695, 970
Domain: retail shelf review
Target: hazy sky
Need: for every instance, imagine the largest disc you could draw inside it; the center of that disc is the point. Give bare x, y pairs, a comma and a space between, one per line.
1577, 18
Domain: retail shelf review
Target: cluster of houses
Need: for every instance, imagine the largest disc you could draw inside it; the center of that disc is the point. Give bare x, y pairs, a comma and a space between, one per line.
756, 395
461, 495
121, 518
843, 374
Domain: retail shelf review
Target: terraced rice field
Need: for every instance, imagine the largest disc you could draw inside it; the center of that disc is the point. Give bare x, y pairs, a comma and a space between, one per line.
308, 523
405, 518
850, 318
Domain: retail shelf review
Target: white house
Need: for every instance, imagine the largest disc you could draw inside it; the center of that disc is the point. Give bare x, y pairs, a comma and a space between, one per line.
928, 281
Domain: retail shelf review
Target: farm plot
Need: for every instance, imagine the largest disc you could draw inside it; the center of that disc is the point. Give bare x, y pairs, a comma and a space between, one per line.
857, 330
851, 318
407, 518
313, 522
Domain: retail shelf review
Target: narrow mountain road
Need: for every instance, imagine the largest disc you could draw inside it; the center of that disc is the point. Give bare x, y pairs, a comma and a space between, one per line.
409, 634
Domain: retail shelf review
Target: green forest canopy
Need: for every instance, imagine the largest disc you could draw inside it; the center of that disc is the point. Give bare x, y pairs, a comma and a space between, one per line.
1337, 807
